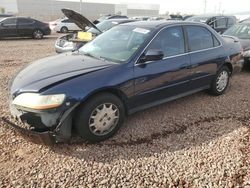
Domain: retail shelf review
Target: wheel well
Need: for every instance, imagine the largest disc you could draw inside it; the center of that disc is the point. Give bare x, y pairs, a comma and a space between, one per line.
229, 66
113, 91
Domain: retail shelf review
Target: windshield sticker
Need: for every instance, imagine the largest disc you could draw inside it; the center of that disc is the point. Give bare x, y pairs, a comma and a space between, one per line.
141, 30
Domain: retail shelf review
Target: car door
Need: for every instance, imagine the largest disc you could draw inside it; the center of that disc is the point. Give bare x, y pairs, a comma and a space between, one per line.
8, 27
205, 52
25, 26
162, 79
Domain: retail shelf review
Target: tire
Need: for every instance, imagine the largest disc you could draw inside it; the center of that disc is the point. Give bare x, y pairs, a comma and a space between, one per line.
100, 117
64, 30
37, 34
220, 82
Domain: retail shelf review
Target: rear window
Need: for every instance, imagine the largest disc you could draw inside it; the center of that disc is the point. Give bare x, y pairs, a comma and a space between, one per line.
67, 21
200, 38
9, 21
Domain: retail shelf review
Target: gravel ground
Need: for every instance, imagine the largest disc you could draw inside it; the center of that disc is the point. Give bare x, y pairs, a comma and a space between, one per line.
196, 141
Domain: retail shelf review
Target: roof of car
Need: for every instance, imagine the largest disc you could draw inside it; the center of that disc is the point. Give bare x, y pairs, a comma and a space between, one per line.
212, 15
119, 20
160, 23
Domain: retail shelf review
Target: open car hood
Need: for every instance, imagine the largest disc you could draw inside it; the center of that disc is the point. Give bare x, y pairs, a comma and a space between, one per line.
78, 19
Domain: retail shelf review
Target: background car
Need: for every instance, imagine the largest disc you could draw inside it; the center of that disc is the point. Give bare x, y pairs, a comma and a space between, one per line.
130, 67
65, 25
242, 32
109, 16
218, 23
68, 43
23, 27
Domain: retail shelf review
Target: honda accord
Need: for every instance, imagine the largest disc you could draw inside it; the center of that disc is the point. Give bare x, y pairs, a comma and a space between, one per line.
130, 67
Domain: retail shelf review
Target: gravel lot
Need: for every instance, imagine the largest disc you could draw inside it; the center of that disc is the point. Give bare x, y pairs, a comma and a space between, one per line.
196, 141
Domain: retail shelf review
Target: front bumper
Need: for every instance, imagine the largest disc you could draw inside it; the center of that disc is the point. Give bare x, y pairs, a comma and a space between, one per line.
45, 128
46, 138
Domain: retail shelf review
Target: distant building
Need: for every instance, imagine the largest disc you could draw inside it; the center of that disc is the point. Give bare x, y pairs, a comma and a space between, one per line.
51, 9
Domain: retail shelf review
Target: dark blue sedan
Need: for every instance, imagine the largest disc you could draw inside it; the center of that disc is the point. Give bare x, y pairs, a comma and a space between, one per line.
128, 68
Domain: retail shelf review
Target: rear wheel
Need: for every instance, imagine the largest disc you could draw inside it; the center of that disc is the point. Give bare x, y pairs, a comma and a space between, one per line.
100, 117
37, 34
220, 82
64, 30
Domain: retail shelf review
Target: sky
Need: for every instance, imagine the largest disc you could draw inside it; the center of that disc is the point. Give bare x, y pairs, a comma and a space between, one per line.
191, 6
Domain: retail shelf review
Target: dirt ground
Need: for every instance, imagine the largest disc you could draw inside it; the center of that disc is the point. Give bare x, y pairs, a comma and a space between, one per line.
196, 141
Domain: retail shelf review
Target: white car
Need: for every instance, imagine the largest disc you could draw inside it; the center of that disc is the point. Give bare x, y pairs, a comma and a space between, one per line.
65, 25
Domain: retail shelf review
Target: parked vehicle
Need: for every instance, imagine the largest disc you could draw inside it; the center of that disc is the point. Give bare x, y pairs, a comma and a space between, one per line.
72, 42
65, 25
242, 32
109, 16
5, 15
245, 20
218, 23
23, 27
131, 67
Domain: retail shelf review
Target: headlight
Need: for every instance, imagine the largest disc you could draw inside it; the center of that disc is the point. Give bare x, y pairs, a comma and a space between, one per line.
68, 44
246, 53
39, 102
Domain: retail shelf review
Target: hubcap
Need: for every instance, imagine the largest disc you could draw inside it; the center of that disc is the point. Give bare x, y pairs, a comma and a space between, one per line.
103, 119
222, 81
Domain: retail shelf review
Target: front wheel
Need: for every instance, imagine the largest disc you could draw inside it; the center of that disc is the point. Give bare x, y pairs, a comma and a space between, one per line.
220, 82
100, 117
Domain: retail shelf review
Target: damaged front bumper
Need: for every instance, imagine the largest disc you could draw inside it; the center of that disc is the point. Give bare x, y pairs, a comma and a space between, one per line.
46, 138
45, 128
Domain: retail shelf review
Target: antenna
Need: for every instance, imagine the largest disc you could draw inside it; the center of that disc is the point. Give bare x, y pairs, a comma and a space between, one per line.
205, 6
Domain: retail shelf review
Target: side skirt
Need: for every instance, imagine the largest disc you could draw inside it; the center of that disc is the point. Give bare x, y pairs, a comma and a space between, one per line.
149, 105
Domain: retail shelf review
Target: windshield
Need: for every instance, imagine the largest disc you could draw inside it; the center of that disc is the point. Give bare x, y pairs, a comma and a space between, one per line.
241, 31
103, 26
118, 44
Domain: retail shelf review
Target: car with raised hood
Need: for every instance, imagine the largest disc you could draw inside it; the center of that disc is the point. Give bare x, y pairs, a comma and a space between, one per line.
74, 41
23, 27
130, 67
64, 25
219, 23
242, 32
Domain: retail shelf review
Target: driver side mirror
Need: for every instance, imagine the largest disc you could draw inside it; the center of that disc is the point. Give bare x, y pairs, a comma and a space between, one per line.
152, 55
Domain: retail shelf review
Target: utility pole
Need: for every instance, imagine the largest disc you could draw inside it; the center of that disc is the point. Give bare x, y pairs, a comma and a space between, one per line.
219, 7
81, 6
205, 6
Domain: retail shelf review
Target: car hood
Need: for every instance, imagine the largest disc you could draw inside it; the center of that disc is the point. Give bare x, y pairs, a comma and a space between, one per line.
78, 19
245, 44
55, 69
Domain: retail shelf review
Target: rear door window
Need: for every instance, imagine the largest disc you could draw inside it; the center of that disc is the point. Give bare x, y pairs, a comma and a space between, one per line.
24, 21
200, 38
